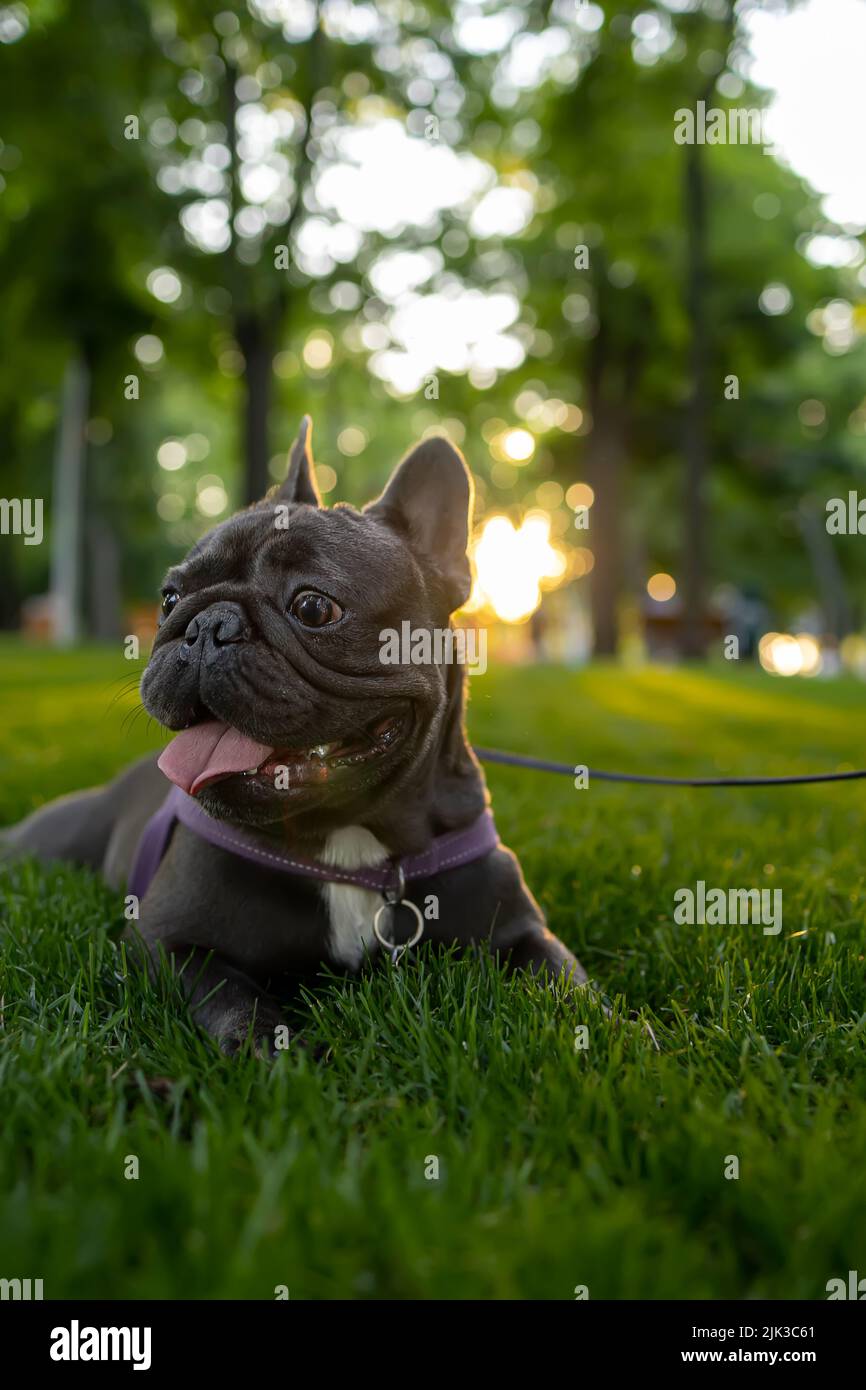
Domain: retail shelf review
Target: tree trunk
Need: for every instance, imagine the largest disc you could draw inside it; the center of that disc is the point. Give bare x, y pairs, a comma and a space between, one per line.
695, 433
605, 476
604, 470
259, 323
254, 342
10, 595
104, 587
10, 580
66, 504
838, 616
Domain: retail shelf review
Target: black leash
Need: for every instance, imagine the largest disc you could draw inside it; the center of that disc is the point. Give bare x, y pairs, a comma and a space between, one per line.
493, 755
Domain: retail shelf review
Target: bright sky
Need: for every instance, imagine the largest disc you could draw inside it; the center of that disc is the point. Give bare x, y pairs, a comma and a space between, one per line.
815, 60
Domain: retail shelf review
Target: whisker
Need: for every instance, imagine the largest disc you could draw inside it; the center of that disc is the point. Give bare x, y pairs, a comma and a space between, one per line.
130, 717
134, 670
121, 695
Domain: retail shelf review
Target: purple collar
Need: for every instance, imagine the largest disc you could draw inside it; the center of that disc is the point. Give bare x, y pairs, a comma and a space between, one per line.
444, 852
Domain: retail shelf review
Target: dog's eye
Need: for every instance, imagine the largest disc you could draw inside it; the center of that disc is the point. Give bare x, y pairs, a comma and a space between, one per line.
169, 599
315, 610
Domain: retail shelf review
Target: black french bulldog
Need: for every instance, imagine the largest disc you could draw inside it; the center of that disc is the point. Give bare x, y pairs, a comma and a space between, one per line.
267, 658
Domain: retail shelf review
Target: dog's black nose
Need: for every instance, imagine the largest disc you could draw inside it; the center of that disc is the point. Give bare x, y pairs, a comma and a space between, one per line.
217, 626
222, 624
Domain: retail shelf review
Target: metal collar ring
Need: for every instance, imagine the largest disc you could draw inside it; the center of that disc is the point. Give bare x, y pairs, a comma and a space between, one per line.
403, 945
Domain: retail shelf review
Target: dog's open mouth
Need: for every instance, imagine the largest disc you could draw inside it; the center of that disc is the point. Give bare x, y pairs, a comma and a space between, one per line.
213, 751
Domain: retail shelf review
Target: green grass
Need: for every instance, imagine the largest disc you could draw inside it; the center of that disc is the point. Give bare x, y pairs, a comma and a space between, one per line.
557, 1167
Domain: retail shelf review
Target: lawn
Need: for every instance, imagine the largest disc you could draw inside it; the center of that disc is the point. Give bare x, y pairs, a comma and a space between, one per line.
557, 1167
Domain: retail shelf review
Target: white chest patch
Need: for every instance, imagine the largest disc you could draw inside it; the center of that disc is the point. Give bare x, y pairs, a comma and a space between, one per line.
350, 909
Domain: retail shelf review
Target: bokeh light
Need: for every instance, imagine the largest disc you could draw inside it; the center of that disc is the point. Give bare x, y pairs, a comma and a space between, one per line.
518, 445
319, 351
164, 284
579, 495
171, 455
148, 349
780, 654
582, 561
351, 441
661, 587
325, 477
810, 651
211, 496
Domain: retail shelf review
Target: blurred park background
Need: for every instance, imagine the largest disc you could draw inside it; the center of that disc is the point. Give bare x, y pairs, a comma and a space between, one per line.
470, 218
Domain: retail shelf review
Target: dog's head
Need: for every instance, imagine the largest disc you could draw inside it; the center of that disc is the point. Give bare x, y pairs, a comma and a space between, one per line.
269, 651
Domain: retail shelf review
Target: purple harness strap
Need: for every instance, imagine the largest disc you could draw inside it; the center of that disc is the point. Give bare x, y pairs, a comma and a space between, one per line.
445, 851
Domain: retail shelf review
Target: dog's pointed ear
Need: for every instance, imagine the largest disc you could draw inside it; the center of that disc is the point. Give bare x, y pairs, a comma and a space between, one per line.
429, 500
300, 481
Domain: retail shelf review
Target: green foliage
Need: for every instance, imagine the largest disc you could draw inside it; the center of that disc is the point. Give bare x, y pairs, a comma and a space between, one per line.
88, 218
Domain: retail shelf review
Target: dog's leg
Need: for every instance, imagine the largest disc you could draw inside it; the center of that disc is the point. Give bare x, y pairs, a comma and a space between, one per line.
529, 945
98, 828
225, 1002
76, 828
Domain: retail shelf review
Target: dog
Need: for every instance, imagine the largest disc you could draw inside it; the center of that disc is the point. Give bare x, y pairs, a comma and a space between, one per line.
310, 774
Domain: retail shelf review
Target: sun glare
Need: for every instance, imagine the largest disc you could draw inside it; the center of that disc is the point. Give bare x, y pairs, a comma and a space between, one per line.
511, 565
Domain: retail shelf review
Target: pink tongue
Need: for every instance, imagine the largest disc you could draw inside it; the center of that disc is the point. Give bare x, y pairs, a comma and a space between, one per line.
208, 751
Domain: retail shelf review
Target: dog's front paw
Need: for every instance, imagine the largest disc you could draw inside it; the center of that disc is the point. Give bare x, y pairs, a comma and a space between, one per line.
263, 1032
